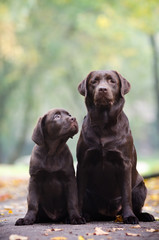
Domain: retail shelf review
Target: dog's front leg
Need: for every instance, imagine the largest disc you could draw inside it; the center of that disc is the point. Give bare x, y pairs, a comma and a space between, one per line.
72, 202
127, 212
33, 201
81, 183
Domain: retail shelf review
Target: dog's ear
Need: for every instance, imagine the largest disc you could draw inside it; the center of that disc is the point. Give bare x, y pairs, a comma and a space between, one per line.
82, 87
38, 134
125, 85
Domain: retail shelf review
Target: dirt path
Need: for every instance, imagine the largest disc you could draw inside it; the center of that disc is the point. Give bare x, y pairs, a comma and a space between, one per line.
15, 207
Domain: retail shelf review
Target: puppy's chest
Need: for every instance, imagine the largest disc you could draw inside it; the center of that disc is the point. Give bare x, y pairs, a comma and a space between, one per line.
53, 164
50, 180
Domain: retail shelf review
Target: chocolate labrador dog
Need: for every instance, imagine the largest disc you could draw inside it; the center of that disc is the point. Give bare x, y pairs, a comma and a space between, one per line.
108, 182
52, 188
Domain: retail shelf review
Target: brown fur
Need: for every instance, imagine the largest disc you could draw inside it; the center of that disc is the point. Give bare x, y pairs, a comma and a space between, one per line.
108, 182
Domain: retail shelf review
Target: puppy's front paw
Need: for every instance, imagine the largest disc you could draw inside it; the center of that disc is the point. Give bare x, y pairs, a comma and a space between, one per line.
131, 220
77, 220
24, 221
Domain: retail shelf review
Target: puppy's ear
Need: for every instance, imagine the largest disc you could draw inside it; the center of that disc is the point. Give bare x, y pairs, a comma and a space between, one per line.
38, 135
82, 87
125, 85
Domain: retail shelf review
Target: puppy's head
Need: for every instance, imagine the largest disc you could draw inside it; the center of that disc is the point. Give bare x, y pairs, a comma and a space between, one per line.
56, 124
103, 88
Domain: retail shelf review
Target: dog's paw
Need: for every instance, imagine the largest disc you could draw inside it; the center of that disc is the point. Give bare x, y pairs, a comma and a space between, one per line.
131, 220
87, 217
77, 220
146, 217
24, 221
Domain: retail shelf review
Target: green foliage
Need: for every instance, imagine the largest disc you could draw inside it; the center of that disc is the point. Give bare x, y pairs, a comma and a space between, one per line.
48, 47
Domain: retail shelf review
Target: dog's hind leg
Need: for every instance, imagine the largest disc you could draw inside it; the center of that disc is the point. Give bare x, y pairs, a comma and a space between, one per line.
139, 193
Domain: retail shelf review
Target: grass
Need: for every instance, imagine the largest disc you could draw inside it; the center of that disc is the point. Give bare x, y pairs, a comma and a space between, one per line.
17, 170
148, 165
145, 166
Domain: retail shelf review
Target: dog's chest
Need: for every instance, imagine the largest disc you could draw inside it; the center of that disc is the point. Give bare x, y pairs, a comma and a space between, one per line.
109, 141
54, 163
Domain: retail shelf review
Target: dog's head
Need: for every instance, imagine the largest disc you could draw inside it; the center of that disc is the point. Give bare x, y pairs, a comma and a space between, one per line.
103, 88
56, 124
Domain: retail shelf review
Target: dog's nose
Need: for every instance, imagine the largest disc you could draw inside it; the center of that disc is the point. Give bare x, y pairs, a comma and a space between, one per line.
73, 119
102, 89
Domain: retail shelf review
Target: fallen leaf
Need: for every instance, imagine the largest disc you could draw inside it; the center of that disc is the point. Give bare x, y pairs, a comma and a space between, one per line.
10, 211
152, 230
80, 238
136, 226
133, 234
115, 229
56, 229
8, 208
119, 218
5, 197
99, 231
17, 237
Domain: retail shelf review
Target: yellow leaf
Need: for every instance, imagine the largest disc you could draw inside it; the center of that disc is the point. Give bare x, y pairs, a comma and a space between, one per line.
119, 218
17, 237
10, 211
80, 238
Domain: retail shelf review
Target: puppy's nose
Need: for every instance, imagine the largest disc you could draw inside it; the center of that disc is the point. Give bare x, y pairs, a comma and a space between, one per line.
102, 89
73, 119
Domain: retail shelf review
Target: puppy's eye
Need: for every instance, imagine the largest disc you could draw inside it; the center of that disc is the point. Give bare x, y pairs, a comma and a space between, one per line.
57, 116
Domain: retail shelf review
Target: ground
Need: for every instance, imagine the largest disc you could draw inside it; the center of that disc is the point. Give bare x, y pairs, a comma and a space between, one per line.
13, 193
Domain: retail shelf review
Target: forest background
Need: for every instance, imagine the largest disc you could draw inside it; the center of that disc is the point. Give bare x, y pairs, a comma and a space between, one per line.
48, 47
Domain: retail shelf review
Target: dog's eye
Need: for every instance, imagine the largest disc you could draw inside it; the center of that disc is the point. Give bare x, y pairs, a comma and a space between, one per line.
94, 81
111, 80
57, 116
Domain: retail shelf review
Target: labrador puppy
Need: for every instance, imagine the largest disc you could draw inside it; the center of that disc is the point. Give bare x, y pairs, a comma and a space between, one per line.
52, 188
108, 182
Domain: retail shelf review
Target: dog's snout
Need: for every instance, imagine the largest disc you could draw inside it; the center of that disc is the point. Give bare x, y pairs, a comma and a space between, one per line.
102, 89
73, 119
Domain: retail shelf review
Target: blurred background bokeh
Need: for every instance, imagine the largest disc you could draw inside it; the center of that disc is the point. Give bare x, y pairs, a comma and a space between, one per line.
47, 47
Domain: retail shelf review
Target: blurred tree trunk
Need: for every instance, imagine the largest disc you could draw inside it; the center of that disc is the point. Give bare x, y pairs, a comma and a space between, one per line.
28, 102
155, 66
4, 98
